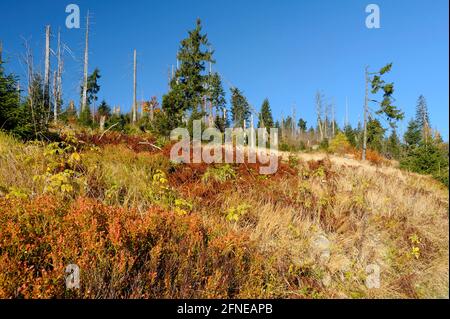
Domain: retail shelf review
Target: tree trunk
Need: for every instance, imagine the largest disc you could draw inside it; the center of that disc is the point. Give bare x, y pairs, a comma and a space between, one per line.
366, 106
85, 71
47, 103
134, 90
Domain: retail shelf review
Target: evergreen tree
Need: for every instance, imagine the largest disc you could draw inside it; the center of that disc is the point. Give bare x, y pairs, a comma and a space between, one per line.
86, 117
391, 112
9, 100
92, 87
189, 85
350, 135
302, 125
393, 146
422, 116
117, 122
375, 135
413, 134
216, 94
104, 109
240, 109
428, 158
265, 116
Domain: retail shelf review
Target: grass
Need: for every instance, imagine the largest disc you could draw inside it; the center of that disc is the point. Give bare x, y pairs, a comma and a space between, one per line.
141, 227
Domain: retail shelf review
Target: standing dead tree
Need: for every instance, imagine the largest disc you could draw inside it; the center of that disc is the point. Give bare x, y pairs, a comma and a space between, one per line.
134, 108
47, 103
58, 81
319, 111
366, 110
85, 69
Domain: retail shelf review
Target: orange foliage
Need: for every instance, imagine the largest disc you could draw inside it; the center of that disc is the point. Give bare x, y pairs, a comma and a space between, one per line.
372, 156
121, 253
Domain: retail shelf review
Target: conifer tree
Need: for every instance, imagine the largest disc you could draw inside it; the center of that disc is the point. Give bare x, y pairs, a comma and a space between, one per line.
265, 116
240, 109
350, 134
188, 87
422, 116
413, 134
302, 125
9, 100
375, 134
393, 146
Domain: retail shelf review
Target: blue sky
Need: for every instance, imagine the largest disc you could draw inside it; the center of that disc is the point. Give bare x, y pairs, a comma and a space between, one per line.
283, 50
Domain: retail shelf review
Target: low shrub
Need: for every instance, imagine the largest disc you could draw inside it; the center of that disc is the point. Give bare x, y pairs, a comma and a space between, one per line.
339, 144
120, 252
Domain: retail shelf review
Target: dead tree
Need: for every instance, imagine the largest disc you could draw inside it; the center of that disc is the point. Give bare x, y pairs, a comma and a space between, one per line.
85, 70
134, 109
28, 60
58, 82
319, 114
366, 109
333, 126
47, 103
55, 96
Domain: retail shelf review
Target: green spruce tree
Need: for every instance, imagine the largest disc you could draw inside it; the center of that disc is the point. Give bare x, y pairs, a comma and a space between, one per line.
413, 134
240, 109
189, 85
265, 116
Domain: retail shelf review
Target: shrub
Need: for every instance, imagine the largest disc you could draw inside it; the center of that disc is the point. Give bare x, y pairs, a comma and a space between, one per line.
121, 253
427, 158
324, 144
372, 156
219, 174
339, 144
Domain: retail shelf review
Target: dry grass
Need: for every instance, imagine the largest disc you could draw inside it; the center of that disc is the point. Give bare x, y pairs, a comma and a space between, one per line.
309, 231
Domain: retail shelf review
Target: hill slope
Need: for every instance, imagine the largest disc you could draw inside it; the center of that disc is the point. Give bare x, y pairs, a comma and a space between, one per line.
139, 226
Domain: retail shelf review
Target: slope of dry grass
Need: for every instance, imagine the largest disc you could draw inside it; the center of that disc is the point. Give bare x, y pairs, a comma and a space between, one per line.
308, 231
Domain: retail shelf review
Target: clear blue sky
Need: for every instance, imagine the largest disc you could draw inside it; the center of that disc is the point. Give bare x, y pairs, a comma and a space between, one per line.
284, 50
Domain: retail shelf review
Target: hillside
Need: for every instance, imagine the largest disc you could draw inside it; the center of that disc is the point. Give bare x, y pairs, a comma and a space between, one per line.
139, 226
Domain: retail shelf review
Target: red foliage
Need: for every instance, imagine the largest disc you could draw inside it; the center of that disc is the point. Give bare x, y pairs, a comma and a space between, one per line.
121, 253
136, 143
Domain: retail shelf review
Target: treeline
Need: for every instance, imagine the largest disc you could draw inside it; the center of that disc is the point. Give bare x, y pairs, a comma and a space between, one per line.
196, 92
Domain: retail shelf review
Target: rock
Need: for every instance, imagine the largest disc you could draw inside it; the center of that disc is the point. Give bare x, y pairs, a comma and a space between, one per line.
321, 246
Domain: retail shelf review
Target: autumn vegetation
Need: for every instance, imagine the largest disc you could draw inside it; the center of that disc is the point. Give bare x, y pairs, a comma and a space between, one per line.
140, 226
98, 189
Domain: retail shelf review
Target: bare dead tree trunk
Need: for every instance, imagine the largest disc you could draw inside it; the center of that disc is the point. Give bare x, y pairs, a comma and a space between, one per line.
30, 76
134, 111
55, 96
333, 120
319, 114
152, 111
85, 70
294, 131
366, 106
47, 103
58, 99
102, 123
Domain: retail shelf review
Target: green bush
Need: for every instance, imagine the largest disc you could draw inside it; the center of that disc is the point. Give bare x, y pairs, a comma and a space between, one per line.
427, 158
